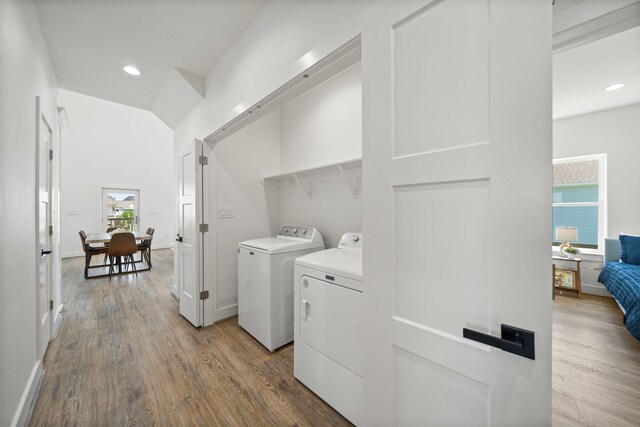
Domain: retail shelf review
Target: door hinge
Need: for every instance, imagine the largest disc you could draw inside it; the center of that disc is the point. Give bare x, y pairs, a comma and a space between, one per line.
50, 304
51, 230
204, 228
50, 154
203, 160
204, 295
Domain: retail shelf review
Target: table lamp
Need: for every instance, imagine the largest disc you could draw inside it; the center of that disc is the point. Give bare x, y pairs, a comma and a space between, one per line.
566, 234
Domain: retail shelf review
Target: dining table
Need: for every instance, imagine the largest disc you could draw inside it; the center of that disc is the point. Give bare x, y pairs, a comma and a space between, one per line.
101, 238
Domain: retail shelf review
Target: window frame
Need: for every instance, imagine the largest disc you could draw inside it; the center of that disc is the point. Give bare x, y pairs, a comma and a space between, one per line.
601, 203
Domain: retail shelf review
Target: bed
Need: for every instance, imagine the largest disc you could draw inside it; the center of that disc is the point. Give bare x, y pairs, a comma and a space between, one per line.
622, 279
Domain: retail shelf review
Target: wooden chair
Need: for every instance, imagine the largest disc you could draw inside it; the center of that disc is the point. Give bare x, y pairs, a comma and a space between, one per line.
89, 251
145, 247
122, 245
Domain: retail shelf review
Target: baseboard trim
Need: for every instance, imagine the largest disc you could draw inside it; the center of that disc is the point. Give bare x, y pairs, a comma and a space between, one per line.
28, 400
164, 246
74, 254
226, 312
595, 290
71, 254
57, 319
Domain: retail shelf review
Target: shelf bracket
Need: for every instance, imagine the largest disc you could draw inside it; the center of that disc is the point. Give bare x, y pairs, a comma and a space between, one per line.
301, 185
353, 188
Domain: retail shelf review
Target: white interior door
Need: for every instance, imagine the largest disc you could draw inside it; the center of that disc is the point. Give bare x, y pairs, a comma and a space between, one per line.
457, 167
189, 239
44, 234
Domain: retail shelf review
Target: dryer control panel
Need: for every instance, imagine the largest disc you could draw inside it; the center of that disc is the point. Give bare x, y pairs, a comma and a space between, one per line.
351, 241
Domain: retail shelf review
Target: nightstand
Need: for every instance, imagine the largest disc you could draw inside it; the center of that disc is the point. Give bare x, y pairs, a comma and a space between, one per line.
566, 276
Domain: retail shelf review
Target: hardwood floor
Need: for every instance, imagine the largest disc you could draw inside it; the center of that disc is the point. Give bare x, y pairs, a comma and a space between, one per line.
596, 365
124, 356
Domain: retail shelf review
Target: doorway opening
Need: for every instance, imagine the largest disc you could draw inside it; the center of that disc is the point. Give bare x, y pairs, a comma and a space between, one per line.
121, 208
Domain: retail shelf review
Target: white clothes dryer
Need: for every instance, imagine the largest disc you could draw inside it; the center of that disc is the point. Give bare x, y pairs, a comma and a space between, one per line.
265, 283
328, 334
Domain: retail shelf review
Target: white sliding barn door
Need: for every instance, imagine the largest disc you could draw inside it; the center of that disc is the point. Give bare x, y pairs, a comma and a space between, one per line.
457, 169
189, 242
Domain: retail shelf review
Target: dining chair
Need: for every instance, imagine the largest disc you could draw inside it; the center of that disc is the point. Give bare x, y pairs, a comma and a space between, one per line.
89, 251
122, 245
145, 247
106, 244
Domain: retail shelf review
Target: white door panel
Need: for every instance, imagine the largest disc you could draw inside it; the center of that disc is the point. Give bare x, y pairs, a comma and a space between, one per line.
189, 242
45, 143
331, 321
456, 110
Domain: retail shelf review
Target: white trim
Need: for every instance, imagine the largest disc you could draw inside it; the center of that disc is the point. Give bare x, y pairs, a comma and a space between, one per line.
29, 395
597, 289
164, 246
209, 255
71, 254
602, 197
224, 313
57, 320
101, 187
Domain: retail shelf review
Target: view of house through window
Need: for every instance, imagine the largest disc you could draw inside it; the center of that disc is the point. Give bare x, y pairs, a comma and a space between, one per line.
578, 198
120, 208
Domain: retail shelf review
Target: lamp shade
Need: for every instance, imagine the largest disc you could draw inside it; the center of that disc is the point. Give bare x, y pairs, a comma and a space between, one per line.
566, 234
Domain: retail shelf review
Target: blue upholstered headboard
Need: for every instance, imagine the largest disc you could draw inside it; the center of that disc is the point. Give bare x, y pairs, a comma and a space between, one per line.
611, 250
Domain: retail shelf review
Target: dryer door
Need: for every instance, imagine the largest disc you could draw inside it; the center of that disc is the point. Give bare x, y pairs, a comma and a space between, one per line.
331, 322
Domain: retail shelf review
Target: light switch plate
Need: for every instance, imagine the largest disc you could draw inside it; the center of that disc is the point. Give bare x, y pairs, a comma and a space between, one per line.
226, 212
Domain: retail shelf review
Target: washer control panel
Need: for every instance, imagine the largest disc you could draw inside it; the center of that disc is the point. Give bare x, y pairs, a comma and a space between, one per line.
296, 231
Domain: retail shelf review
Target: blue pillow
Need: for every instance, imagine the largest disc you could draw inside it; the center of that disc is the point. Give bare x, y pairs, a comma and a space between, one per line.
630, 249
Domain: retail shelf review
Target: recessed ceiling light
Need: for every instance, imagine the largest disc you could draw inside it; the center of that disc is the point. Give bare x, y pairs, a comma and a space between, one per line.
614, 87
130, 69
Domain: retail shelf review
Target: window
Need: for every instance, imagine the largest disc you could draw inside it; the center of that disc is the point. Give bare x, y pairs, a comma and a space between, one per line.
578, 198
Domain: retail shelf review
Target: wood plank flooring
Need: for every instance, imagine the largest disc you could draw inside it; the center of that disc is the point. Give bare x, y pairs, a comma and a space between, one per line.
596, 365
124, 356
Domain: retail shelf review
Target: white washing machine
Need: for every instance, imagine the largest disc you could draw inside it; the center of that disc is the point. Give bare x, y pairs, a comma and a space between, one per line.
265, 283
328, 336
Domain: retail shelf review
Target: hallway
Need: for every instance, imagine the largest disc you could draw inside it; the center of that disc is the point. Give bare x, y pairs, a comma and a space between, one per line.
124, 356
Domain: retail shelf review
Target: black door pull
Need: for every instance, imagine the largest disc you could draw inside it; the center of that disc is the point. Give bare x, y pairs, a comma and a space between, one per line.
179, 239
43, 253
513, 340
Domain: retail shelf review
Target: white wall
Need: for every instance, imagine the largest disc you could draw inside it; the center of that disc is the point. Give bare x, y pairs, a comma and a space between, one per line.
267, 54
617, 133
114, 145
321, 127
25, 73
240, 161
324, 125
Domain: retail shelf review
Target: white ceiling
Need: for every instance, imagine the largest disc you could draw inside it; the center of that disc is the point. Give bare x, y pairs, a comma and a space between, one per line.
580, 74
90, 40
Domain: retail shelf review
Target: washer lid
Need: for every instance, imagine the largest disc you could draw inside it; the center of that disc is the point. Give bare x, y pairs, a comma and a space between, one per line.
278, 245
340, 262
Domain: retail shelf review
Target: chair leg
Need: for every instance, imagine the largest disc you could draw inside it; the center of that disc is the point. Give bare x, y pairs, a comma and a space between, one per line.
149, 257
110, 267
133, 264
87, 260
